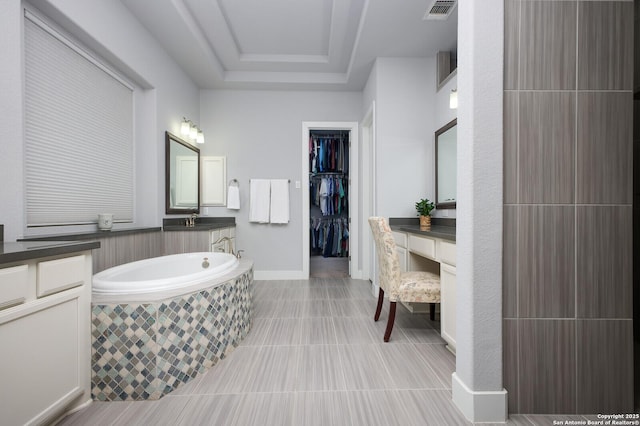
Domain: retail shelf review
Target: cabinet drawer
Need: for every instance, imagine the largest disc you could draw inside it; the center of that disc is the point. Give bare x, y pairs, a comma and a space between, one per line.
60, 274
423, 246
14, 285
400, 238
447, 253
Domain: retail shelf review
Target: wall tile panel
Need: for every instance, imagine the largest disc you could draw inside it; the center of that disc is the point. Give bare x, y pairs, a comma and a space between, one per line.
604, 163
510, 262
605, 365
510, 155
546, 154
605, 50
546, 276
604, 261
511, 43
547, 370
548, 45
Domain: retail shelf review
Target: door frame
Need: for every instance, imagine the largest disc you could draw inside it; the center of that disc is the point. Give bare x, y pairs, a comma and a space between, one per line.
369, 207
354, 190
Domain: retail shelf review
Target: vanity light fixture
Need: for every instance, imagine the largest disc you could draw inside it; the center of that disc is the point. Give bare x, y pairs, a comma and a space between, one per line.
453, 99
185, 127
190, 131
193, 132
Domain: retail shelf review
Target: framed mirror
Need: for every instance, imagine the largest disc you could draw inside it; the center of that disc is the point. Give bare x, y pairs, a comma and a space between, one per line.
446, 165
182, 181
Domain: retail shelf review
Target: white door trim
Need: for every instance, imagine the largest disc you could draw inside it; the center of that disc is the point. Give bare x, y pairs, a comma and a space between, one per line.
369, 208
354, 189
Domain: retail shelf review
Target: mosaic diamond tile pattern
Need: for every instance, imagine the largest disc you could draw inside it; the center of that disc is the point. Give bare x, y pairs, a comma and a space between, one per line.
144, 351
123, 352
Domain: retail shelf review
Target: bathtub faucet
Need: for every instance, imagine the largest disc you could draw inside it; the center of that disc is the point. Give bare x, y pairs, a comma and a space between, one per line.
222, 239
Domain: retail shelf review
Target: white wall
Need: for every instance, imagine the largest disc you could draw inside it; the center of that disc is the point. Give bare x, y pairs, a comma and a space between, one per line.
405, 115
260, 134
477, 383
110, 30
11, 117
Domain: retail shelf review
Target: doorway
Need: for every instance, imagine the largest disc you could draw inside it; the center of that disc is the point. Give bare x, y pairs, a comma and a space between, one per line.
329, 203
329, 235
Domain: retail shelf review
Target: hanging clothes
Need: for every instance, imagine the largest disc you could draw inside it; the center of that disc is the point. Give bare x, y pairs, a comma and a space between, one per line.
329, 192
328, 153
330, 237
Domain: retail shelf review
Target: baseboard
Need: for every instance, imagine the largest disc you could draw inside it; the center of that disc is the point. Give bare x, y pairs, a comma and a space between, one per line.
481, 407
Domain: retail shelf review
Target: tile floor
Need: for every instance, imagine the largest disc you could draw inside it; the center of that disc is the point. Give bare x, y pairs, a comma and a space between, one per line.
314, 357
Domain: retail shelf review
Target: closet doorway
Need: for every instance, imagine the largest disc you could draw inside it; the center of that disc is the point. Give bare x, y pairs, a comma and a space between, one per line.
329, 172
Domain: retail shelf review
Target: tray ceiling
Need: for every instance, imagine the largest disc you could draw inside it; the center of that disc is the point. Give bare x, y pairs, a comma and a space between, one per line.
290, 44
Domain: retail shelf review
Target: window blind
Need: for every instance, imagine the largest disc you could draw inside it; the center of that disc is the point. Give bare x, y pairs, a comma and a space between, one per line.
78, 134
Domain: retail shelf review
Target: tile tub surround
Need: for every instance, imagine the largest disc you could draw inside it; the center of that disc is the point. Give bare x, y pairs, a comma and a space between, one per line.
145, 350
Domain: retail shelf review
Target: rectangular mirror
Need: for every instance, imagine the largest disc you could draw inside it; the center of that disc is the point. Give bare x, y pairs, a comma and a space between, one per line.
182, 169
446, 165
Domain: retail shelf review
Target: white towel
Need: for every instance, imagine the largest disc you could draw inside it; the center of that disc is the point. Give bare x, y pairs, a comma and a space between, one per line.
259, 195
279, 201
233, 197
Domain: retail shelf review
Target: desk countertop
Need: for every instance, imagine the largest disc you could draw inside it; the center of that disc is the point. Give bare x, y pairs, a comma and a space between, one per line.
436, 231
440, 227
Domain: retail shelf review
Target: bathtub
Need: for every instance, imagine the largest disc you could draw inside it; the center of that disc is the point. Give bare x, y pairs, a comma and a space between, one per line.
163, 273
158, 323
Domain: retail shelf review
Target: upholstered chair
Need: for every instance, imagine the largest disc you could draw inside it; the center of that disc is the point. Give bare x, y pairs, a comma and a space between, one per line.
411, 286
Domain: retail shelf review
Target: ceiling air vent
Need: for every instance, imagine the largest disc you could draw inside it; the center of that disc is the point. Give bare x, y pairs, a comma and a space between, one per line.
440, 9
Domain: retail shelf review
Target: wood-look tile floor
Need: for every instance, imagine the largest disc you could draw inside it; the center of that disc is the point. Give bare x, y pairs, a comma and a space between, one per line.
314, 356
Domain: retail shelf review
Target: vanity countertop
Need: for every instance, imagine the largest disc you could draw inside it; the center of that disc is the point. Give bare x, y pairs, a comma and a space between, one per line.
440, 227
27, 250
90, 235
202, 224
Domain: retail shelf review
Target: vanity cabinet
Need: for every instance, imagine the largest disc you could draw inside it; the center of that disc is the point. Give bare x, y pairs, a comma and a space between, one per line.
45, 333
448, 293
416, 252
401, 248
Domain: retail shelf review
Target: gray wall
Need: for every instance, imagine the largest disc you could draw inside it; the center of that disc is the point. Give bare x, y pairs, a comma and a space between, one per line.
260, 133
567, 301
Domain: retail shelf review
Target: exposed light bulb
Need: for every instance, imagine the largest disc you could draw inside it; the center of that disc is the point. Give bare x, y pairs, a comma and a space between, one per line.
200, 138
185, 127
453, 99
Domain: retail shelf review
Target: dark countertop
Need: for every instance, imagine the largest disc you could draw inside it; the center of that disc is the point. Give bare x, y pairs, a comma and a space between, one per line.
26, 250
90, 235
436, 231
197, 227
202, 223
440, 227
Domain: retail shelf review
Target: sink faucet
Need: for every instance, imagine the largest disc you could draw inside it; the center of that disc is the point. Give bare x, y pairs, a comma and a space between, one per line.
190, 222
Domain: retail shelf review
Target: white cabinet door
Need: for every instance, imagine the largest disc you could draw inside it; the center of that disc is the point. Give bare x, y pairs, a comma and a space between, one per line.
214, 185
448, 296
402, 256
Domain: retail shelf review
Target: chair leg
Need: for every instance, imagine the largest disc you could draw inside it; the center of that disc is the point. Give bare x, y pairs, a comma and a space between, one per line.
392, 317
379, 307
432, 311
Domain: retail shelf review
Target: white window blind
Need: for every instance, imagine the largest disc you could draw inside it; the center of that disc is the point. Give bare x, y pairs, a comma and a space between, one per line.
78, 134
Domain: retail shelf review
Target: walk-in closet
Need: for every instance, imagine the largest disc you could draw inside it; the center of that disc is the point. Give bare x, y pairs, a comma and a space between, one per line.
329, 203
